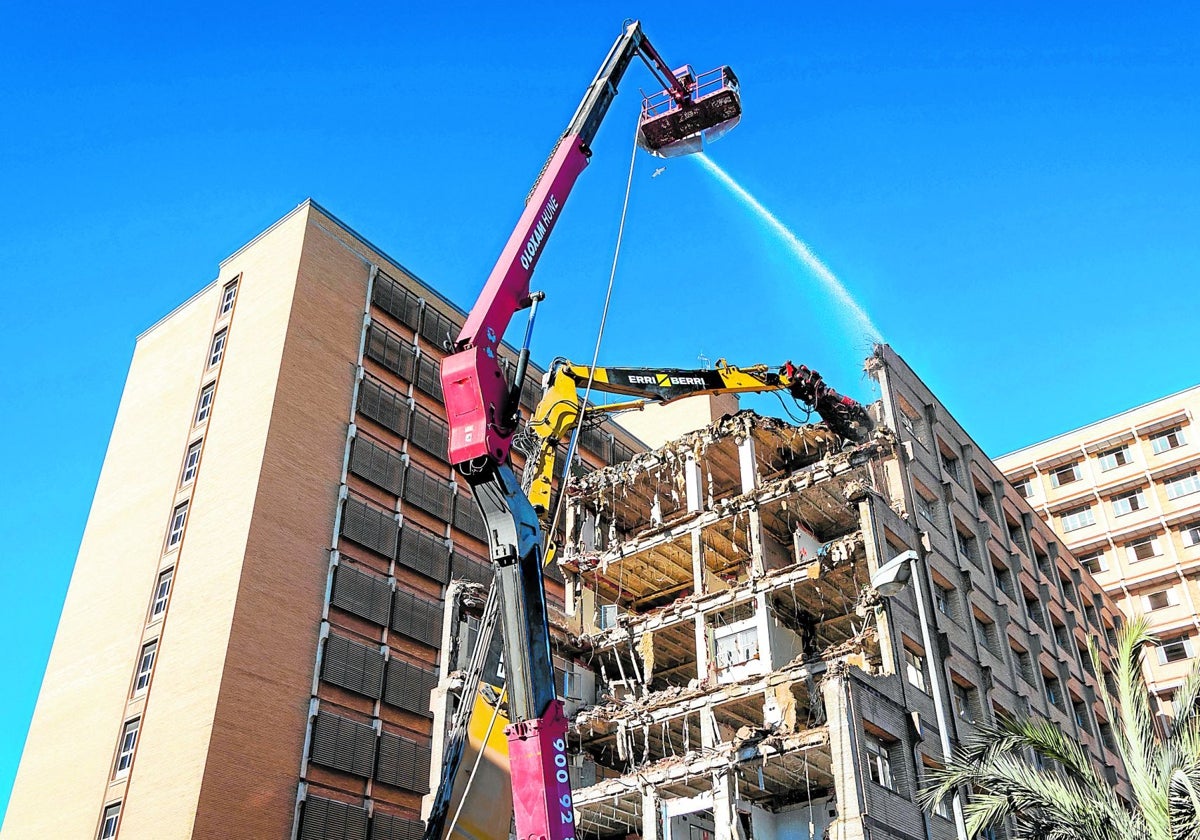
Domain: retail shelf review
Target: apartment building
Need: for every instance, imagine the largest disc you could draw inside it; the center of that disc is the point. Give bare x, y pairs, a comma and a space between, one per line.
263, 631
732, 671
1123, 493
253, 627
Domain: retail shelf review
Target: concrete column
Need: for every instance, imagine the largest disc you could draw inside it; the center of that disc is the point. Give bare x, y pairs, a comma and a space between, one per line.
758, 560
845, 764
725, 820
747, 464
693, 484
762, 624
698, 586
701, 648
652, 828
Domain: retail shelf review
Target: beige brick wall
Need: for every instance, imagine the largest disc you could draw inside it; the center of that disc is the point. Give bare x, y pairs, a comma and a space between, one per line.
63, 777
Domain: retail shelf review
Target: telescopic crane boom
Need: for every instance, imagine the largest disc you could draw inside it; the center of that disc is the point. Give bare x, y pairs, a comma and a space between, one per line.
481, 409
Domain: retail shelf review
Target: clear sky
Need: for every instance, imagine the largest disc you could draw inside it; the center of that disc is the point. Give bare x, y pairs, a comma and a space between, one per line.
1011, 190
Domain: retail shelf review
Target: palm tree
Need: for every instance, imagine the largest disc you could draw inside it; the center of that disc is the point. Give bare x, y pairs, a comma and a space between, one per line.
1030, 771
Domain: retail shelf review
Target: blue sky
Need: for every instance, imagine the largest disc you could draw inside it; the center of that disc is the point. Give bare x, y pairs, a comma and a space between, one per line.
1012, 190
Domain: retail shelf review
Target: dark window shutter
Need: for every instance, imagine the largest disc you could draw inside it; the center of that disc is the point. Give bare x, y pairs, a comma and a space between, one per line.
368, 525
621, 452
377, 464
428, 492
429, 376
353, 666
467, 517
466, 567
343, 744
430, 433
392, 827
396, 300
597, 440
418, 618
363, 594
531, 390
438, 329
423, 552
391, 351
326, 819
403, 763
409, 686
384, 405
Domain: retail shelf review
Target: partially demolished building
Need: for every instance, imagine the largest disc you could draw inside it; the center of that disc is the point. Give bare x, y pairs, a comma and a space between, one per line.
729, 670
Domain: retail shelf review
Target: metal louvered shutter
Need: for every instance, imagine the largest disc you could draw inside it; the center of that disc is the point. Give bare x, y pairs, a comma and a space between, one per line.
418, 618
468, 518
531, 389
377, 464
403, 763
429, 376
429, 432
328, 819
392, 827
368, 525
621, 452
438, 329
428, 492
391, 351
597, 440
466, 567
363, 594
353, 666
385, 406
425, 553
396, 300
343, 744
409, 687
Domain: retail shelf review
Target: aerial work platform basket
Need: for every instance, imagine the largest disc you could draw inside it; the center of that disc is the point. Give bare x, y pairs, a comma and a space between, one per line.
670, 128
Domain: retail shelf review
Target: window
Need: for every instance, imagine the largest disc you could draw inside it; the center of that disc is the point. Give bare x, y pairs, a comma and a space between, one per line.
1129, 502
1025, 666
967, 545
1183, 485
1033, 609
1114, 458
951, 466
145, 667
229, 296
108, 824
161, 592
218, 348
1053, 691
879, 763
1064, 475
1191, 534
1081, 716
1076, 518
941, 600
737, 648
942, 808
125, 751
1094, 562
204, 406
914, 669
1024, 487
1160, 600
1143, 549
178, 520
1174, 650
925, 507
191, 463
964, 705
1168, 440
985, 633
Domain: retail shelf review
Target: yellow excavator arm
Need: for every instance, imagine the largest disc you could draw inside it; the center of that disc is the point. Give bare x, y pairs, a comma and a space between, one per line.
558, 412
